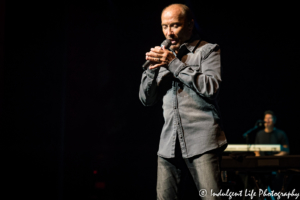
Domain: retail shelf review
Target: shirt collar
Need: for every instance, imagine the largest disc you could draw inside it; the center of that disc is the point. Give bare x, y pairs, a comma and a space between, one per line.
192, 43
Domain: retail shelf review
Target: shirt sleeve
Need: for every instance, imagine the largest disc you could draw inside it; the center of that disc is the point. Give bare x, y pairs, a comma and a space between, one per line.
206, 81
149, 88
284, 142
284, 139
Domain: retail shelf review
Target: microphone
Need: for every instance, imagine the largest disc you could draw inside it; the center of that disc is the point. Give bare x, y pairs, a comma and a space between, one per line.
259, 123
166, 43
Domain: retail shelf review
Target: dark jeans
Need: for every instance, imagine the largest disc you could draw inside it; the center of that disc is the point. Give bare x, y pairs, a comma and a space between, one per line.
204, 169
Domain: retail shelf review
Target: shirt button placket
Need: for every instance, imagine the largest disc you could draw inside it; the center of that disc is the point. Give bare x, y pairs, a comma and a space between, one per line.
177, 122
174, 126
179, 129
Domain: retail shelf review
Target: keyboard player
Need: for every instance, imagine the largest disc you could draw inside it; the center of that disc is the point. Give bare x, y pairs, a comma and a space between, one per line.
271, 135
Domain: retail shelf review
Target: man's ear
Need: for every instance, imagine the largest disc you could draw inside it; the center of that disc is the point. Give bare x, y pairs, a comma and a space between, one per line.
191, 24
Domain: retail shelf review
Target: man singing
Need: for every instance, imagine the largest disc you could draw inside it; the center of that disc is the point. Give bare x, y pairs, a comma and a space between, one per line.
187, 79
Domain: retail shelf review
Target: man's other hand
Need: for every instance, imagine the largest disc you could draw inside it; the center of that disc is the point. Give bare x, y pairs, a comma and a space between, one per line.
159, 56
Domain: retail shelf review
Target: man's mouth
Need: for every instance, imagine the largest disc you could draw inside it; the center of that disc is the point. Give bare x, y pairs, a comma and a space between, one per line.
172, 41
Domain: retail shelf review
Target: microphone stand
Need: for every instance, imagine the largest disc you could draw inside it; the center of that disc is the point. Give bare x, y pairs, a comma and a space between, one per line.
258, 124
246, 134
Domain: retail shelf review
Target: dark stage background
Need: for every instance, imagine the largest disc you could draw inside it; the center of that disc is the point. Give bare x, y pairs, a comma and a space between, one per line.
72, 122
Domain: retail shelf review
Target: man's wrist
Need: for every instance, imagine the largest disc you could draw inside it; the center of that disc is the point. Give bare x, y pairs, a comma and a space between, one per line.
175, 66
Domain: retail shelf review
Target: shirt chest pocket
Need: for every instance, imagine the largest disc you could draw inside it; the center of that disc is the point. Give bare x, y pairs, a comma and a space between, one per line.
193, 61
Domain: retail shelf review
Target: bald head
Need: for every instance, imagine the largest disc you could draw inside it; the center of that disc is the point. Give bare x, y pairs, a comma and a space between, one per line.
180, 9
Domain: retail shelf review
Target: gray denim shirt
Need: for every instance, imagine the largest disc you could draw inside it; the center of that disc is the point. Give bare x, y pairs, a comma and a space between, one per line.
188, 88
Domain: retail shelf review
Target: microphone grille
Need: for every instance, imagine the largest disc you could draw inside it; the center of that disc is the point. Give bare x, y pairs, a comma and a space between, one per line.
166, 43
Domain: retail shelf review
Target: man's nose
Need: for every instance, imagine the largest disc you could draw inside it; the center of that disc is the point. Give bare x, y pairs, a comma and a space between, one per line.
169, 31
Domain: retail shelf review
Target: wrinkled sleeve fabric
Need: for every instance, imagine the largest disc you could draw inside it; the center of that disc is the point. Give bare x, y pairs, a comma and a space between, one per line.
284, 139
149, 92
206, 81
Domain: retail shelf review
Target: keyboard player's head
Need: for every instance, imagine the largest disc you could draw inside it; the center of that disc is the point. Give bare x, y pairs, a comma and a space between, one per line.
270, 120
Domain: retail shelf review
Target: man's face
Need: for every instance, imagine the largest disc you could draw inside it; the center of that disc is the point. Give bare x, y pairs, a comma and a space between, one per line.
269, 121
175, 27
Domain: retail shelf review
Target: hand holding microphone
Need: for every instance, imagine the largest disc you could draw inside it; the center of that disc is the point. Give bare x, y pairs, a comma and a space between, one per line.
159, 56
